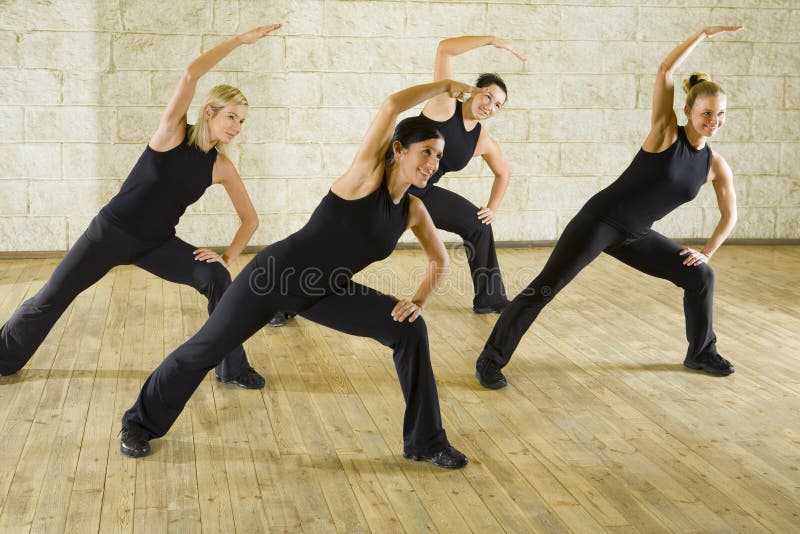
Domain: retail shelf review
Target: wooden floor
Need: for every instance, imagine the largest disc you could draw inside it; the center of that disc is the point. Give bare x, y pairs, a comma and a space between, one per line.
600, 429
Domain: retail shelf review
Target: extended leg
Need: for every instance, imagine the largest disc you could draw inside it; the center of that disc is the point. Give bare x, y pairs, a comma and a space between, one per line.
174, 261
241, 311
100, 248
583, 240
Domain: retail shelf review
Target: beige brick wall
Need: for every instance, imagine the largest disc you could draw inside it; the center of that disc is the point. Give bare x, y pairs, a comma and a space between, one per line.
82, 84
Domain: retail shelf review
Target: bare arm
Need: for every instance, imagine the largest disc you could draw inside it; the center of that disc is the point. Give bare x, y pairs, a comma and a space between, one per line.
490, 150
421, 224
455, 46
663, 122
722, 180
171, 128
370, 155
443, 65
226, 174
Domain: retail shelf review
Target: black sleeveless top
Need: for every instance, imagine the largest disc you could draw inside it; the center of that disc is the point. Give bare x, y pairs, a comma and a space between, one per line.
459, 145
159, 188
341, 238
653, 185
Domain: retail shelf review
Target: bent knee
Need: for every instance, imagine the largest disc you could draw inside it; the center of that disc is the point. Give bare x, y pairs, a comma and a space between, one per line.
211, 275
702, 277
705, 274
407, 332
475, 230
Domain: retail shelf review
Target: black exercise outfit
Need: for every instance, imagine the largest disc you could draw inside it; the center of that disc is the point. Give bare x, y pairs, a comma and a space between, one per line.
136, 227
617, 221
310, 272
454, 213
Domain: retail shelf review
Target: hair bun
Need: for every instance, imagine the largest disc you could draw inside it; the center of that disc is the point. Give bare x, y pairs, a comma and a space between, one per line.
694, 79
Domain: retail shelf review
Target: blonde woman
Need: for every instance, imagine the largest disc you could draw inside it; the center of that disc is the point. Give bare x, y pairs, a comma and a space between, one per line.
137, 226
673, 164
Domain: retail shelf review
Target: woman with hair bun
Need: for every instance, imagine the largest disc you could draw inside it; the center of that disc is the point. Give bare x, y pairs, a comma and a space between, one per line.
137, 226
672, 165
358, 222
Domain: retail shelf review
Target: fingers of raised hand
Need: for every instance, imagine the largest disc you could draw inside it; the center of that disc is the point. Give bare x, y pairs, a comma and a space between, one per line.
270, 28
713, 30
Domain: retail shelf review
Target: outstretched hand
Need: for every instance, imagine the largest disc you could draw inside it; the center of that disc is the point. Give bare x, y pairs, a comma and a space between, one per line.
502, 43
711, 31
258, 33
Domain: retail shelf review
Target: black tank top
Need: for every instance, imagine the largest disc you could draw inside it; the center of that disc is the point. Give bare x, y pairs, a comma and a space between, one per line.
459, 145
341, 238
159, 189
653, 185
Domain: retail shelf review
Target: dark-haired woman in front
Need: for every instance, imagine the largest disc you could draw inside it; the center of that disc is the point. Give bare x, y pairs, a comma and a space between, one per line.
669, 170
464, 139
358, 222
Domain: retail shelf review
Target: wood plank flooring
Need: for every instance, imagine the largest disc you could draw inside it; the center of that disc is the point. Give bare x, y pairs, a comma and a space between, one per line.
600, 429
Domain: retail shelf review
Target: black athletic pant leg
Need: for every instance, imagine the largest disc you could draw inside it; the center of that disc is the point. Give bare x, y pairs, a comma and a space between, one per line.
174, 261
583, 240
101, 247
454, 213
658, 256
240, 313
363, 311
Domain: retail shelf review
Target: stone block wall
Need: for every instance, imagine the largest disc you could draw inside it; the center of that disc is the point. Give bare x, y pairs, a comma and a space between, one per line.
83, 82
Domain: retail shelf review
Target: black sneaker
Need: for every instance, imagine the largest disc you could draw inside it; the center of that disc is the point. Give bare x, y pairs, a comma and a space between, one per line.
489, 375
250, 379
710, 363
133, 441
449, 457
280, 318
492, 308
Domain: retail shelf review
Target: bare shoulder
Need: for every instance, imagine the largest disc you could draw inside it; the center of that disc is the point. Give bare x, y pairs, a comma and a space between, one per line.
440, 108
360, 180
486, 143
168, 135
223, 170
416, 211
720, 170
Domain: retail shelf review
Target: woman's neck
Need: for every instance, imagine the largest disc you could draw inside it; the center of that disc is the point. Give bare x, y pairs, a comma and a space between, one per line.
395, 184
696, 139
466, 115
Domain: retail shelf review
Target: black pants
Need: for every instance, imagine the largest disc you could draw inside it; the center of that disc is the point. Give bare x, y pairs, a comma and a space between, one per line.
102, 246
584, 238
245, 308
454, 213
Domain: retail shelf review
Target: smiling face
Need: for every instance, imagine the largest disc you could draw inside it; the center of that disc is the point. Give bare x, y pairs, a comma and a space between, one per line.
419, 161
486, 105
707, 115
226, 123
